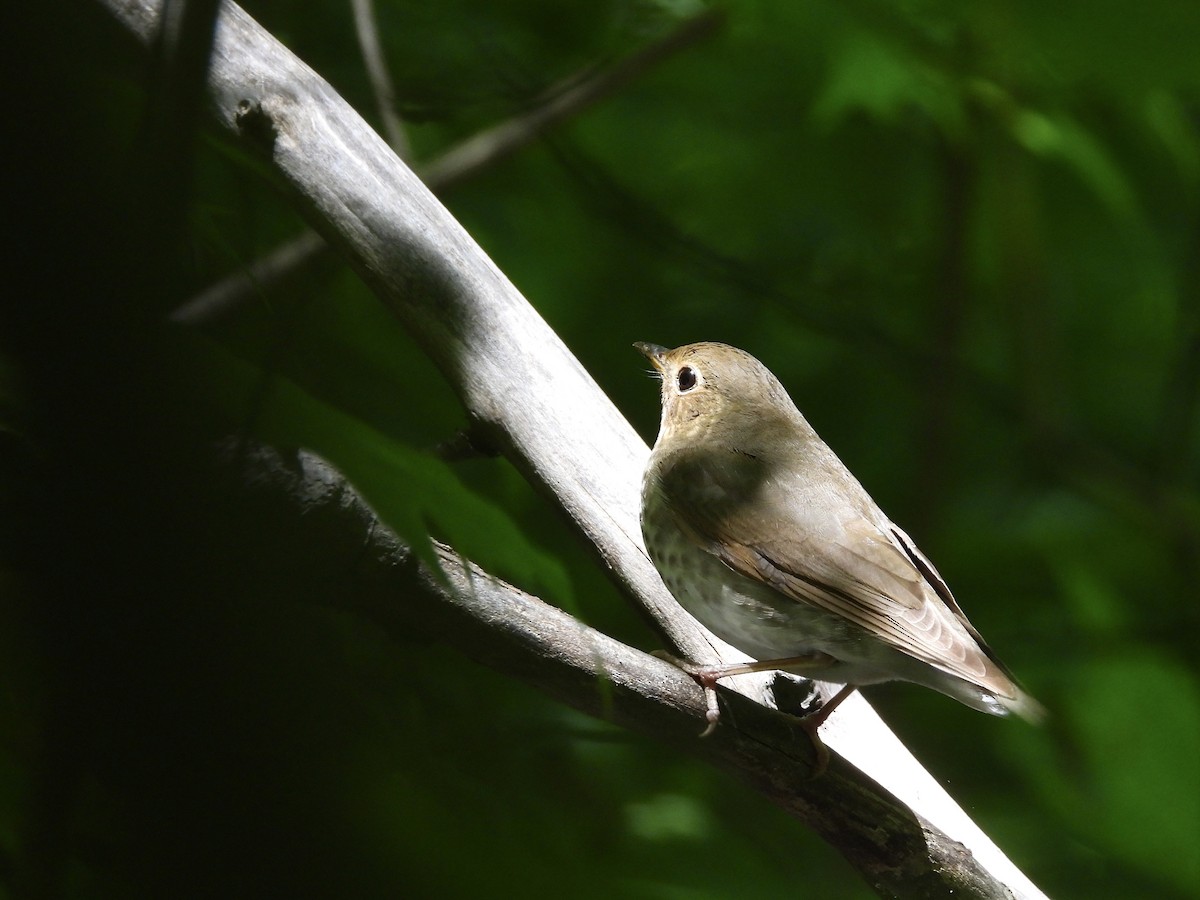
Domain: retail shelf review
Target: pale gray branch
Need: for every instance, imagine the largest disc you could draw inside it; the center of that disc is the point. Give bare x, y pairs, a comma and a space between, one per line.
522, 387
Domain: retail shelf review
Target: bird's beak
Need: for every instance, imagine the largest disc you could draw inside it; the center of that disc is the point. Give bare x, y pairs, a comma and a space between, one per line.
652, 352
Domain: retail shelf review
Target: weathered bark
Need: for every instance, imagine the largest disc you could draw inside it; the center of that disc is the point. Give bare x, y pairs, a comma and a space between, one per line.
530, 398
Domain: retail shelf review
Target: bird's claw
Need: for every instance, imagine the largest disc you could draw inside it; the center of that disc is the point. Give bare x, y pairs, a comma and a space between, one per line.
706, 677
712, 711
811, 725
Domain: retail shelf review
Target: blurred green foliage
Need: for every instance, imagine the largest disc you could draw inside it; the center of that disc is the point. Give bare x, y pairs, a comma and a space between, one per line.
966, 236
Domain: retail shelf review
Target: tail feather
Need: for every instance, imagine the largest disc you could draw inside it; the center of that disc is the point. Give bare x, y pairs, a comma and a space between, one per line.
1021, 705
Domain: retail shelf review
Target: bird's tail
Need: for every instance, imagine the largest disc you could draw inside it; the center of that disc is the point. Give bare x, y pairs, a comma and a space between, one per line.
1021, 705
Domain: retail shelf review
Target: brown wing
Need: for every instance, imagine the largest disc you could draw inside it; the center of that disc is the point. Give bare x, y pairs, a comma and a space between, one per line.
821, 540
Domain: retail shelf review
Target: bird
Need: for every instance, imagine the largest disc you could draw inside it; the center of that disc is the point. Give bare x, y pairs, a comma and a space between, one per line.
765, 537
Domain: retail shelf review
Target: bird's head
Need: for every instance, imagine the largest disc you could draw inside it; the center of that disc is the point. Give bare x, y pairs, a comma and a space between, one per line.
715, 391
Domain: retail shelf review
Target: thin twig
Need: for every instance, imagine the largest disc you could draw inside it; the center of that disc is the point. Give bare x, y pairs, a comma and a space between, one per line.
367, 29
560, 103
230, 293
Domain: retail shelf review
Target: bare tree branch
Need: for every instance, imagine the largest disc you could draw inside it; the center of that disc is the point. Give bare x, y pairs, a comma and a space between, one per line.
523, 389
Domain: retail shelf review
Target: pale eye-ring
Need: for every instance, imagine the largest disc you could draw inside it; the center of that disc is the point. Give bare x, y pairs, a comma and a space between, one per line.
686, 379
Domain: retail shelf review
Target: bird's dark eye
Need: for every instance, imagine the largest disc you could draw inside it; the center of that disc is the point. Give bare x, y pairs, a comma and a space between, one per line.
686, 379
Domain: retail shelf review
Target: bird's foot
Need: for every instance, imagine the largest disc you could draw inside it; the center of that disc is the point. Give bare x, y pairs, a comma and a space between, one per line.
814, 720
706, 677
821, 763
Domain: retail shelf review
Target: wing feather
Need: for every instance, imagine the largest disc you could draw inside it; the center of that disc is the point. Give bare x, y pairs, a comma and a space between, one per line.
833, 549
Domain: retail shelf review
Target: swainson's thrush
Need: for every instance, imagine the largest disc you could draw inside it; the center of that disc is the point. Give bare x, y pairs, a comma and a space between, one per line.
765, 537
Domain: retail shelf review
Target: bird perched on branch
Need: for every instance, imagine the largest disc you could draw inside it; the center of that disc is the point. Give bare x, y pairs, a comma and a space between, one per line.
767, 539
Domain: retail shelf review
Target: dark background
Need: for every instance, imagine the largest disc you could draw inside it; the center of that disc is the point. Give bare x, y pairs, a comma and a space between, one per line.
964, 236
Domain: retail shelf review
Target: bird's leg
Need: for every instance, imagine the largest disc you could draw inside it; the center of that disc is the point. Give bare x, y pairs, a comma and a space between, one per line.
707, 677
815, 720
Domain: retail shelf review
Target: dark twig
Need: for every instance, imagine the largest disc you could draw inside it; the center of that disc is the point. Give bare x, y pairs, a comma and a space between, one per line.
375, 61
216, 302
561, 103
